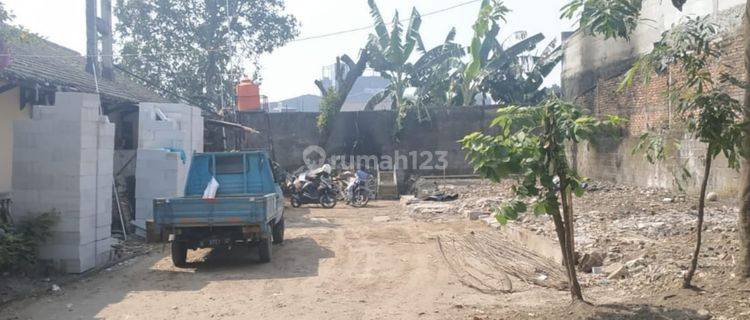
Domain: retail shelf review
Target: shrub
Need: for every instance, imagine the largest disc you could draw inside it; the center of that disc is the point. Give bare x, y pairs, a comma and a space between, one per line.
19, 243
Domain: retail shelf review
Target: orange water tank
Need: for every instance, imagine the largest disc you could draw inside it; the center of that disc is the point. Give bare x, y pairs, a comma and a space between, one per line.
248, 96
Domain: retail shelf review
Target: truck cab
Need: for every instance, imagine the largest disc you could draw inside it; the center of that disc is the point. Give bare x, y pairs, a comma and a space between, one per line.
247, 208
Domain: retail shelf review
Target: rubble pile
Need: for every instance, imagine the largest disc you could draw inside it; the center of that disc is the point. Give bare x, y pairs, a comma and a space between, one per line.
645, 236
632, 238
476, 198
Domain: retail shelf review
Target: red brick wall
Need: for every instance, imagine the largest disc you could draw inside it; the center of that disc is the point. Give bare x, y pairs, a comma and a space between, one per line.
647, 106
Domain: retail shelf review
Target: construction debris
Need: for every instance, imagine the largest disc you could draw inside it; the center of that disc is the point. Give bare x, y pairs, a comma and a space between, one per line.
490, 263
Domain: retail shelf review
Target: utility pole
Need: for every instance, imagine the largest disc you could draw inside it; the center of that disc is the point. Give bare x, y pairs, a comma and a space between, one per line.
107, 41
91, 47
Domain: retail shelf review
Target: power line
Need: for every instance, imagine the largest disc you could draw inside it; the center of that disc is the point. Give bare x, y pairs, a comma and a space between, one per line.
315, 37
390, 23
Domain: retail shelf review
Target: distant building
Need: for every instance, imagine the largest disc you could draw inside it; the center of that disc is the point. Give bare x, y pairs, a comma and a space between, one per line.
363, 90
304, 103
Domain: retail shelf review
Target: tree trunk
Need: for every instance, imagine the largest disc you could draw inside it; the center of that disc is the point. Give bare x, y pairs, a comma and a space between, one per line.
699, 232
562, 237
211, 75
570, 261
556, 162
744, 214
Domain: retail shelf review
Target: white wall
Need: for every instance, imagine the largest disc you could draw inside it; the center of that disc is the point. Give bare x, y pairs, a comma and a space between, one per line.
585, 53
62, 161
9, 111
161, 173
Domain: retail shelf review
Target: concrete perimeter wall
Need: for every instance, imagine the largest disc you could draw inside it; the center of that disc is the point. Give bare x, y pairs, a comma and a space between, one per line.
371, 134
595, 87
63, 161
165, 147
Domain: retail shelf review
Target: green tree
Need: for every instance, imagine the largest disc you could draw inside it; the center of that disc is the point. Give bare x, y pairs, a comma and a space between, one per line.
197, 47
616, 18
486, 29
511, 74
434, 73
5, 15
347, 72
531, 149
389, 54
708, 113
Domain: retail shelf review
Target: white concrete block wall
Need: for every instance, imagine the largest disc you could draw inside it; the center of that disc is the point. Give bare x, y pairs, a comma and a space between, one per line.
63, 160
160, 173
585, 53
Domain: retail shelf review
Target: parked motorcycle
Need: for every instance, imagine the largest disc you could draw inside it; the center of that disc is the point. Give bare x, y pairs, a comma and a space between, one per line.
361, 195
325, 194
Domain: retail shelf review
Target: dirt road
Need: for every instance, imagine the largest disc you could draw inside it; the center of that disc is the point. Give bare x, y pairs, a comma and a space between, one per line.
336, 264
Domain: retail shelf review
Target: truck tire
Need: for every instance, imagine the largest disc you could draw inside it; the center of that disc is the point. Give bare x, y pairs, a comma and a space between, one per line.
179, 254
264, 250
278, 232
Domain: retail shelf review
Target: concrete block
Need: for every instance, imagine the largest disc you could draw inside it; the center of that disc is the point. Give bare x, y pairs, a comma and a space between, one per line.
103, 232
86, 235
69, 238
25, 140
103, 208
43, 112
63, 160
87, 224
87, 259
104, 219
104, 245
59, 252
87, 182
67, 223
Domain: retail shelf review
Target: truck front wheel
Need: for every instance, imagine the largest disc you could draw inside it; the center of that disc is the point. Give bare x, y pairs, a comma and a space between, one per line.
264, 250
179, 254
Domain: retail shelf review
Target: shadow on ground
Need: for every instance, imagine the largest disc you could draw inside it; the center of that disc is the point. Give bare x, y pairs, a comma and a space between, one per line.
296, 258
638, 311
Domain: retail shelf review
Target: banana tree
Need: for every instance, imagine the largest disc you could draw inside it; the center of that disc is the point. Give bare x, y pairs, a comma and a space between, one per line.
486, 29
509, 74
389, 54
516, 76
434, 74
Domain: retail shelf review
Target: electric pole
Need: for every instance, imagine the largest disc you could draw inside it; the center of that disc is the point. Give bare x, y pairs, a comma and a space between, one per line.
91, 42
107, 41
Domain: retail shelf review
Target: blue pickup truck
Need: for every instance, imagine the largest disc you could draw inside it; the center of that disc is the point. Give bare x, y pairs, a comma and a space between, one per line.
248, 208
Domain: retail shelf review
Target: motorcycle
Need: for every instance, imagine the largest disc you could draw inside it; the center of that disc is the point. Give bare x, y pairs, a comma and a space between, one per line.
325, 194
361, 195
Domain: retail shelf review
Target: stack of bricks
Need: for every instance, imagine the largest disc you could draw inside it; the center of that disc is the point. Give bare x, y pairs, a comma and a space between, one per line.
63, 161
165, 147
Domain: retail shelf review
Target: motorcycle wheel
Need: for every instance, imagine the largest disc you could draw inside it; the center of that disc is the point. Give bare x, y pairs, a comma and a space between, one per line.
327, 201
296, 203
361, 198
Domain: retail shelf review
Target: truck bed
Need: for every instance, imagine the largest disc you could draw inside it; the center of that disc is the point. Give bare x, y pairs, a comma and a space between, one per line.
235, 210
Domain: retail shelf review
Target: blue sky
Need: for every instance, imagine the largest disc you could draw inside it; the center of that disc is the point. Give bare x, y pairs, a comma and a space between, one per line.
291, 70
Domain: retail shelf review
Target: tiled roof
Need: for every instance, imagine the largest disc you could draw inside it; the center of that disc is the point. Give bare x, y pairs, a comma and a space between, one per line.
43, 62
